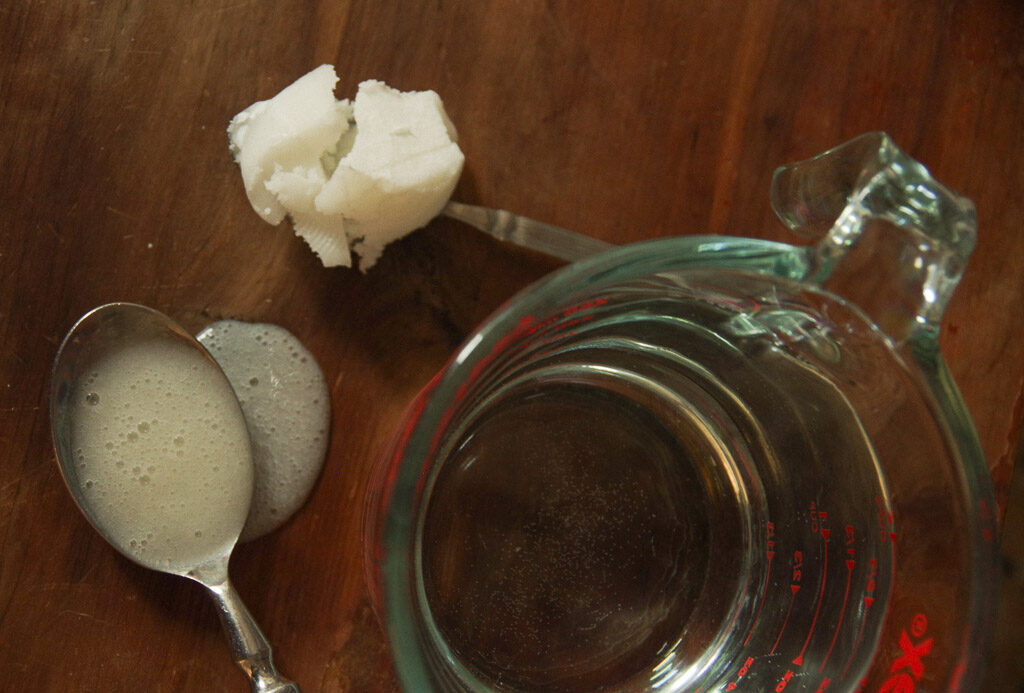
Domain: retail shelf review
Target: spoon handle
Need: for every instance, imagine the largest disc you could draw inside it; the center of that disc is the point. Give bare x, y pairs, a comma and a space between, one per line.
248, 645
522, 231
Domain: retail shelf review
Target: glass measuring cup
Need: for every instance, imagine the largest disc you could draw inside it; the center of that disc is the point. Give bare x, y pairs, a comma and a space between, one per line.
705, 463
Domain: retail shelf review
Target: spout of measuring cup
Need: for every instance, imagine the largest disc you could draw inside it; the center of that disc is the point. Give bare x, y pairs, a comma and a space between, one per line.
888, 236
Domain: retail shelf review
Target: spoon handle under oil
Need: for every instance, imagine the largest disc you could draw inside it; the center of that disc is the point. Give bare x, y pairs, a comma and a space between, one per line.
248, 644
529, 233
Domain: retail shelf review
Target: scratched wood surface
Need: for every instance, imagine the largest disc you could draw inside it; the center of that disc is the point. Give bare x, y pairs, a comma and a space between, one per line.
622, 120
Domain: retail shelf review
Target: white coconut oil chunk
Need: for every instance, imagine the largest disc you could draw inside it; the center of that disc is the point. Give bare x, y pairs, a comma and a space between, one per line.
351, 176
286, 405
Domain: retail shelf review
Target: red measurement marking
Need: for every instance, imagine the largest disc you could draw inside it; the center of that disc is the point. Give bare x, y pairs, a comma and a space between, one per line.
786, 678
869, 599
741, 673
789, 611
764, 595
842, 614
817, 609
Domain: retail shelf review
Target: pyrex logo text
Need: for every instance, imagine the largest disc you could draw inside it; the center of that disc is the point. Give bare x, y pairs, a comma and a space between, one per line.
909, 667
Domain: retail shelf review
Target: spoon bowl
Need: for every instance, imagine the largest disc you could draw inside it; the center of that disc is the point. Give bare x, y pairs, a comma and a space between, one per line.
153, 447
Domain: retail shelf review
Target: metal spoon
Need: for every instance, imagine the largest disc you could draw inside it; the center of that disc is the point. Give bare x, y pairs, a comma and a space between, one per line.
525, 232
102, 333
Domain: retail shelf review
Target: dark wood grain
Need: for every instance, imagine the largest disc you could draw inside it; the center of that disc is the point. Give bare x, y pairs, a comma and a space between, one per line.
622, 120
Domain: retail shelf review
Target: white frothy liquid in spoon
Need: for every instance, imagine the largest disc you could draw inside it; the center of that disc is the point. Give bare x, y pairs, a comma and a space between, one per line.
163, 455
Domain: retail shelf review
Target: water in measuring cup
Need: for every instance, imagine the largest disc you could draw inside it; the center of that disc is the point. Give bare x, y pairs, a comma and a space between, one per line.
567, 541
652, 504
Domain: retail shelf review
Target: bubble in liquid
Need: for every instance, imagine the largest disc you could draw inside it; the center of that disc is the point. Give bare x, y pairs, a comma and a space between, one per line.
92, 399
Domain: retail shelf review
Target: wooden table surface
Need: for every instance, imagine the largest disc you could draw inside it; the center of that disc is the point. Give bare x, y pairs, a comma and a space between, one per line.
625, 121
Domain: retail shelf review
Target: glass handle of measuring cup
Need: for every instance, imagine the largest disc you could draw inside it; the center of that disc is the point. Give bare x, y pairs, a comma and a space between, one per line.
889, 237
